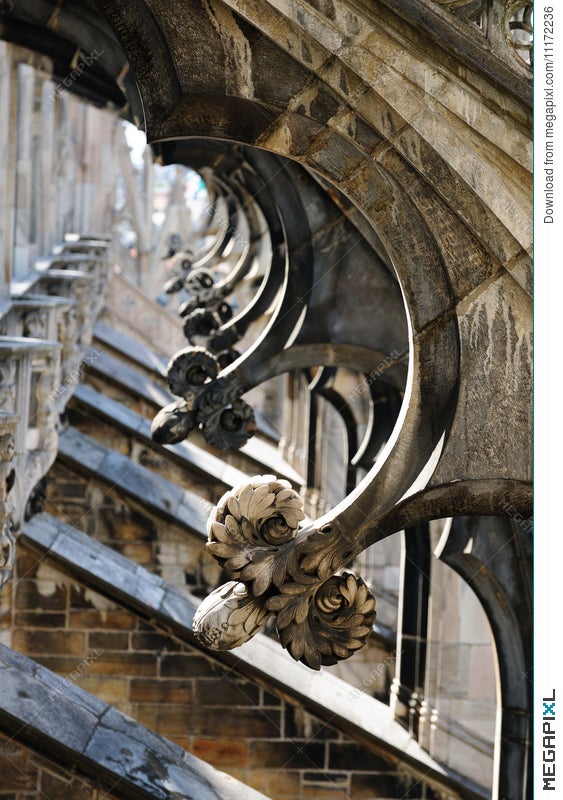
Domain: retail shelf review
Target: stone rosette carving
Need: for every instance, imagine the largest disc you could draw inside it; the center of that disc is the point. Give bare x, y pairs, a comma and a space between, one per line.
205, 322
209, 402
322, 615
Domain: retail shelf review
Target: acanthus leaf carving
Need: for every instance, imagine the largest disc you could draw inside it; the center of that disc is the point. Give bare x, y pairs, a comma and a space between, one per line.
329, 625
321, 617
211, 402
229, 617
190, 369
173, 423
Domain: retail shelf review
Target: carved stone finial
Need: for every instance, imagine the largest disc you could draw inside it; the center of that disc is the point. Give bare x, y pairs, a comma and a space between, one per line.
210, 402
225, 419
254, 534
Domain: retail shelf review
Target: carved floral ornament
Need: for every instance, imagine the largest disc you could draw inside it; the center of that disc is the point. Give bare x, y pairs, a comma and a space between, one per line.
210, 402
281, 571
8, 425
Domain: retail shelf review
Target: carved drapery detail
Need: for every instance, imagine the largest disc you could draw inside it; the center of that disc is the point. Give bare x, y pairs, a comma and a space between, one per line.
8, 384
210, 402
322, 615
8, 424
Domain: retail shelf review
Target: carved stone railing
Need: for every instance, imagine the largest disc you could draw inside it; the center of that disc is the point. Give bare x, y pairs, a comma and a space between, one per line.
78, 286
35, 316
8, 532
95, 265
43, 339
54, 319
90, 245
30, 372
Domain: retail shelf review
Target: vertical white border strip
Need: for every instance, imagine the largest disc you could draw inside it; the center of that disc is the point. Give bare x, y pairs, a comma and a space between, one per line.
548, 414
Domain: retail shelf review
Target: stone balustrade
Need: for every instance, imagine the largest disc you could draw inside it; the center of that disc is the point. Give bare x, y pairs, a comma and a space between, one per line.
44, 336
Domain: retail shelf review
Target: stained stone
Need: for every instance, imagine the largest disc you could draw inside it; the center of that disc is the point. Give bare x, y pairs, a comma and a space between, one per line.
102, 742
262, 659
164, 497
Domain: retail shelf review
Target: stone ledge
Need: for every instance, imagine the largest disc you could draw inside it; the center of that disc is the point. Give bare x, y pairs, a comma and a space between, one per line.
137, 426
157, 494
329, 698
50, 714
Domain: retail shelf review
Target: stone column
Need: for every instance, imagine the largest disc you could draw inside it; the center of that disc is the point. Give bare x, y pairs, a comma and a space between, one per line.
24, 251
407, 691
7, 168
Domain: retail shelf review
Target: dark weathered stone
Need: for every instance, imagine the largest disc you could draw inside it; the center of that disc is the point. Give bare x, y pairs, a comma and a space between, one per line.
119, 415
262, 660
77, 728
115, 469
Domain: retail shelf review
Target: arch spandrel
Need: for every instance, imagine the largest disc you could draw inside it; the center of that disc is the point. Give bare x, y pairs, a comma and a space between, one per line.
424, 222
486, 149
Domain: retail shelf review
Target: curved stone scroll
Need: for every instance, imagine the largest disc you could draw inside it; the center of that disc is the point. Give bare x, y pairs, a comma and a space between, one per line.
322, 615
210, 403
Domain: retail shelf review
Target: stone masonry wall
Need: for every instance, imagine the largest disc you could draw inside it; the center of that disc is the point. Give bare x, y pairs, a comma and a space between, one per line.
24, 775
175, 690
